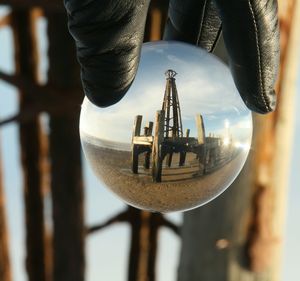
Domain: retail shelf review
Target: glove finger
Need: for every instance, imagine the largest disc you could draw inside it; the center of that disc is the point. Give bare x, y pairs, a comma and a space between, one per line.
251, 35
108, 36
193, 21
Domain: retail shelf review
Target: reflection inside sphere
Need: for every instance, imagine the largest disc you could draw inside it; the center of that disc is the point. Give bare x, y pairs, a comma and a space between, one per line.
177, 139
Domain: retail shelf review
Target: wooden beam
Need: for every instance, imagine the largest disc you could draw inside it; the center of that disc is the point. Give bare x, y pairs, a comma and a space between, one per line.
143, 246
200, 129
5, 269
43, 93
137, 125
5, 21
65, 153
26, 65
120, 217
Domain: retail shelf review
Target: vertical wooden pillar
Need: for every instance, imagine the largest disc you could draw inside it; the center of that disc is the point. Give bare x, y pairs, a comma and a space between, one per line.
65, 152
26, 66
144, 228
5, 273
143, 247
134, 251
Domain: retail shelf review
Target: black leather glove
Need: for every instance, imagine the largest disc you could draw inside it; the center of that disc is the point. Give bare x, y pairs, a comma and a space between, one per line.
109, 35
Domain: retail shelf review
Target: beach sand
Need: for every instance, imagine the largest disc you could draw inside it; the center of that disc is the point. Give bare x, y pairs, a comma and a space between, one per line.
181, 188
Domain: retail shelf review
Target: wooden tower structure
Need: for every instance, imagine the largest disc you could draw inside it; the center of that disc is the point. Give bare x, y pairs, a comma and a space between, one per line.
171, 107
168, 135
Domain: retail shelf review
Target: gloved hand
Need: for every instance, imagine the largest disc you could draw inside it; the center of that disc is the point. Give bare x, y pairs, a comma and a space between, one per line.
109, 35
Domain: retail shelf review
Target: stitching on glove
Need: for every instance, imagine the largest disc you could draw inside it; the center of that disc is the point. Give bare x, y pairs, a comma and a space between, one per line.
263, 95
217, 39
201, 22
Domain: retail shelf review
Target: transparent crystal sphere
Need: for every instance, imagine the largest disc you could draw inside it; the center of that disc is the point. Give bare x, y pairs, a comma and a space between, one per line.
177, 139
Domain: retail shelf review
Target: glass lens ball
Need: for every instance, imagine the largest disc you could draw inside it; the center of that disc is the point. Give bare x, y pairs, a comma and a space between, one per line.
177, 139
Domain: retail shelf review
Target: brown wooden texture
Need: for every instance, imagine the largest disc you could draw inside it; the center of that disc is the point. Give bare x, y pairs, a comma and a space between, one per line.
52, 5
26, 66
239, 235
5, 269
144, 225
65, 154
143, 245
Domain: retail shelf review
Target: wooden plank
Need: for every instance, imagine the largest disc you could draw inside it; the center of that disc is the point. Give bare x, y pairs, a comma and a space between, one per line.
143, 140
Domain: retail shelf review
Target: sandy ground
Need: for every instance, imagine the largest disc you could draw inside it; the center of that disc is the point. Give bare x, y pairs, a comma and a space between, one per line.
181, 188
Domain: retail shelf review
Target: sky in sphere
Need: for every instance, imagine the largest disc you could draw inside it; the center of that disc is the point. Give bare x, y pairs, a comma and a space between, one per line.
100, 204
204, 87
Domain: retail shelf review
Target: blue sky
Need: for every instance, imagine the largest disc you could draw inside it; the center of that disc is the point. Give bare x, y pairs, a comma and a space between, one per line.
204, 85
110, 246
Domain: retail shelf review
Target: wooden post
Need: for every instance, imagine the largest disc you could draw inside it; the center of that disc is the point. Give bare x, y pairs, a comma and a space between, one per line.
157, 153
137, 125
5, 271
200, 129
148, 153
65, 153
141, 219
135, 148
187, 133
150, 128
143, 247
26, 65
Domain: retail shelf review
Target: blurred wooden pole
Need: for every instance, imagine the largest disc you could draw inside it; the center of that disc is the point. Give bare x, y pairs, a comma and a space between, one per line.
145, 226
284, 126
239, 235
143, 246
26, 66
5, 271
65, 154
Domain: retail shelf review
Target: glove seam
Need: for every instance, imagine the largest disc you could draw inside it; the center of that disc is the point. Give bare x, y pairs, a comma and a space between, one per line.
201, 22
264, 97
216, 40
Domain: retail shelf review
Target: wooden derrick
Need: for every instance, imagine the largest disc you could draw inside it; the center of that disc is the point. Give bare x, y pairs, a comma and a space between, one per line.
168, 135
